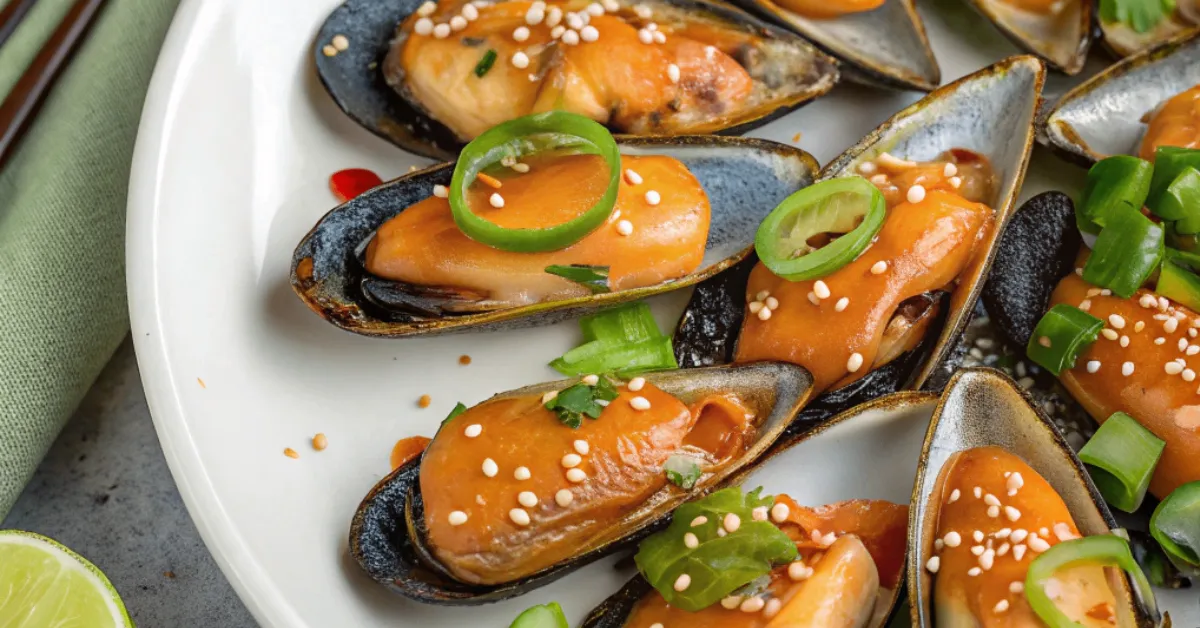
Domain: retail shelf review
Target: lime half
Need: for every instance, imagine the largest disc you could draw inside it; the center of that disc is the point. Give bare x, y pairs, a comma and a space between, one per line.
43, 583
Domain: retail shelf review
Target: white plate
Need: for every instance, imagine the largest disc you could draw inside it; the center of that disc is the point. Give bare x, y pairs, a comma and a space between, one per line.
236, 145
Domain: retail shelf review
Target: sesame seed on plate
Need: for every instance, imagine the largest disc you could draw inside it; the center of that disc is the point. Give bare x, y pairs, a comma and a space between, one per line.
952, 539
1018, 552
764, 314
639, 403
557, 31
632, 177
636, 384
624, 227
519, 516
1018, 535
956, 182
589, 33
993, 511
1124, 341
527, 499
699, 521
1170, 325
762, 295
424, 26
813, 298
521, 473
574, 21
732, 522
1173, 368
1037, 544
553, 16
441, 191
1160, 340
991, 500
1045, 341
1063, 531
340, 42
571, 460
1127, 369
1117, 321
841, 304
821, 289
595, 9
653, 197
581, 447
772, 608
753, 604
1107, 333
457, 518
978, 492
933, 564
457, 23
977, 550
797, 570
690, 541
987, 559
1093, 366
576, 475
564, 497
490, 468
867, 167
1012, 513
771, 303
612, 6
496, 200
473, 430
683, 582
755, 306
570, 37
915, 194
854, 363
731, 602
1003, 533
1085, 305
1188, 375
878, 268
1015, 481
779, 512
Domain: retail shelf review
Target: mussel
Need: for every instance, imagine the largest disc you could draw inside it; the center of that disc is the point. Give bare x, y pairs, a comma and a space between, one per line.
1058, 31
735, 181
982, 120
551, 498
989, 452
809, 470
1124, 40
702, 67
1109, 114
880, 42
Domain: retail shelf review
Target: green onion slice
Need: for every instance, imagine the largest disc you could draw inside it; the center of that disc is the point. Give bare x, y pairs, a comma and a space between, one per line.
1181, 202
1060, 336
459, 408
520, 137
1127, 251
625, 340
594, 278
1178, 282
1122, 456
1169, 163
542, 616
1175, 524
1140, 15
849, 208
1106, 550
1115, 183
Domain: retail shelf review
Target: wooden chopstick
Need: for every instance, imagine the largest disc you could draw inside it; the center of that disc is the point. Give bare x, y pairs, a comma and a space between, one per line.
19, 109
11, 15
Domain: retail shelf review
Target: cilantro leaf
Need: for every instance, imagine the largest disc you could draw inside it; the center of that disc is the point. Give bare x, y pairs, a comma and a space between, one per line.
1140, 15
719, 565
580, 400
594, 278
682, 471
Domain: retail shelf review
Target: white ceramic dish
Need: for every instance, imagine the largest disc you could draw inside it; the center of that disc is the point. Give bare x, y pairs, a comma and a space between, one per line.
236, 146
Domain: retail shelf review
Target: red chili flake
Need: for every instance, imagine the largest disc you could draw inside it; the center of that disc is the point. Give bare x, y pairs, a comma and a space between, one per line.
349, 183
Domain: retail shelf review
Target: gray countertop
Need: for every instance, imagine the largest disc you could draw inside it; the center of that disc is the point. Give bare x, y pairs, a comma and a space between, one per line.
104, 491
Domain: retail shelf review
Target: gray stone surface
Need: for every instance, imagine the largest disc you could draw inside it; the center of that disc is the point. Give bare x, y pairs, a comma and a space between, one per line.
105, 491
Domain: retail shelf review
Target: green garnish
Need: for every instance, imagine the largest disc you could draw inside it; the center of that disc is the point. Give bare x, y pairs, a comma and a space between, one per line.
1113, 183
1060, 336
485, 63
459, 408
682, 471
1140, 15
1175, 524
719, 565
541, 616
1178, 281
1180, 203
1127, 251
1121, 457
594, 278
1105, 550
580, 400
1169, 163
624, 339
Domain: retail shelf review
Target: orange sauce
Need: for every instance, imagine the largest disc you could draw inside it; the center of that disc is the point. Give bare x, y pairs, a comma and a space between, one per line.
422, 245
830, 8
406, 449
1176, 123
1167, 405
982, 559
1040, 7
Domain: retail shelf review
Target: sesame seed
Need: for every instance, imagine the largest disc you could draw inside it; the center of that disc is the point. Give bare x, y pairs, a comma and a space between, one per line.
1127, 369
589, 33
949, 170
780, 512
812, 298
1063, 531
659, 38
690, 541
1117, 321
879, 179
1003, 549
471, 12
1018, 552
576, 475
933, 564
612, 6
1044, 341
490, 468
570, 37
340, 42
590, 380
1016, 587
645, 36
978, 492
915, 194
673, 72
772, 608
955, 182
457, 23
699, 521
557, 31
496, 200
952, 539
954, 495
974, 571
624, 227
441, 191
521, 473
426, 9
732, 522
683, 582
993, 511
1037, 544
424, 26
1018, 535
841, 304
1044, 532
1015, 481
991, 500
632, 177
582, 447
519, 516
1188, 375
1160, 341
854, 363
764, 314
643, 11
550, 396
977, 550
1012, 513
771, 303
755, 306
554, 16
571, 460
797, 570
636, 384
520, 60
1170, 325
564, 497
575, 21
821, 289
1093, 366
867, 167
1107, 333
457, 518
762, 295
731, 602
653, 197
753, 604
1000, 606
520, 167
656, 624
1183, 344
759, 514
1085, 305
473, 430
987, 560
828, 539
595, 9
1173, 368
527, 499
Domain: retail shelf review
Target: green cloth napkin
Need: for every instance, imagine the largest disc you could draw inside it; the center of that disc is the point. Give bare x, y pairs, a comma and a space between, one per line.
62, 224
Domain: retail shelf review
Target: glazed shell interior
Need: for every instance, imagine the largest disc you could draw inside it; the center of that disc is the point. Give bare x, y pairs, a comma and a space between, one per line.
983, 407
793, 70
744, 179
809, 467
1062, 40
387, 533
886, 46
1103, 116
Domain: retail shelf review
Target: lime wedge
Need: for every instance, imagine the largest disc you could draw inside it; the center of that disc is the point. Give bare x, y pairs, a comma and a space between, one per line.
43, 583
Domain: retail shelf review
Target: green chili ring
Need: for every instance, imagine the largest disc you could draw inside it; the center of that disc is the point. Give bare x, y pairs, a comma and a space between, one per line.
805, 214
1106, 550
504, 139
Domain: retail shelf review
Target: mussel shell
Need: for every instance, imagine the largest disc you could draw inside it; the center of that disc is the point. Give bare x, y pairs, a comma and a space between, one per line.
354, 79
887, 430
886, 47
387, 535
1102, 117
1123, 41
744, 179
991, 112
982, 407
1062, 40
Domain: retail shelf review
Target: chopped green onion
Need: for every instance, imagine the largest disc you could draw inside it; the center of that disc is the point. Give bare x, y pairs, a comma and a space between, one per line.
1127, 251
459, 408
516, 138
594, 278
682, 471
848, 208
1175, 524
718, 565
1122, 456
625, 339
541, 616
575, 402
1140, 15
1178, 283
485, 63
1105, 550
1181, 202
1169, 163
1114, 183
1060, 336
